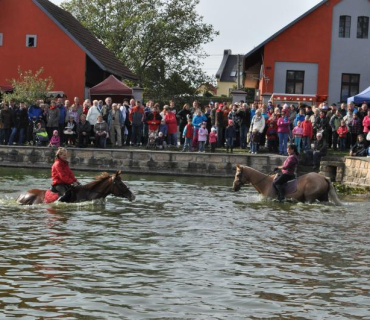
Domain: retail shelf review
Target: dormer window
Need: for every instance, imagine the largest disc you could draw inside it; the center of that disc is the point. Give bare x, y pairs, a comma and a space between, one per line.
363, 27
1, 39
31, 41
345, 27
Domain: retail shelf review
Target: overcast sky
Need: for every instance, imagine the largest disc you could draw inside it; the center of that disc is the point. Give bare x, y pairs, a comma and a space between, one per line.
244, 24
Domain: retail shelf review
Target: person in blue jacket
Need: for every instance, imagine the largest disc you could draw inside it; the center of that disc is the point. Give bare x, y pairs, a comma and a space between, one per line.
34, 115
198, 119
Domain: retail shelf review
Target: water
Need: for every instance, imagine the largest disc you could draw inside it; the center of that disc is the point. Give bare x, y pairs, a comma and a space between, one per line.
187, 248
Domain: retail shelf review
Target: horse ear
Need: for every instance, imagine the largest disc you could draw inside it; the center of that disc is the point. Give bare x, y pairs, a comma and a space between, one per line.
118, 173
238, 166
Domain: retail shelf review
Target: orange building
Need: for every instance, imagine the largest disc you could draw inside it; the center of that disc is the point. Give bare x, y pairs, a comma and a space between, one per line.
316, 57
37, 33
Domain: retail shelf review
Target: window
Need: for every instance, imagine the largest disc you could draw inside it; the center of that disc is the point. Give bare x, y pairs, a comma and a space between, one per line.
363, 27
1, 39
31, 41
350, 86
345, 27
233, 74
294, 82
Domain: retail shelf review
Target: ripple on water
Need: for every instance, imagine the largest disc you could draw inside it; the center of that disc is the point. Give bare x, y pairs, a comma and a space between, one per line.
186, 248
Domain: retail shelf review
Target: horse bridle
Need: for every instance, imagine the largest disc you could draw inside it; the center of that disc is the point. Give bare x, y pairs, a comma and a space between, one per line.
115, 184
240, 183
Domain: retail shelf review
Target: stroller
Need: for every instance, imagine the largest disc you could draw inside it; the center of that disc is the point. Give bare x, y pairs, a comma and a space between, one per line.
152, 140
40, 136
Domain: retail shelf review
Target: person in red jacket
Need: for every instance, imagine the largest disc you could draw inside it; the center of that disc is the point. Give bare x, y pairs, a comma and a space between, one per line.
62, 176
307, 133
342, 133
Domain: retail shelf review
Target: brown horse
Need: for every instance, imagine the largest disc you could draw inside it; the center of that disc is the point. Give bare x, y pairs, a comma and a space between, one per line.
103, 186
310, 187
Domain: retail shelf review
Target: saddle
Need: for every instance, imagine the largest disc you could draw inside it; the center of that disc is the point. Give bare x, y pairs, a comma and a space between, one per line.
291, 186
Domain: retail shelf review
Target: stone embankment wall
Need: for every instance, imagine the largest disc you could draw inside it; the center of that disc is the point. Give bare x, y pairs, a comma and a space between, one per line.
140, 161
357, 171
352, 171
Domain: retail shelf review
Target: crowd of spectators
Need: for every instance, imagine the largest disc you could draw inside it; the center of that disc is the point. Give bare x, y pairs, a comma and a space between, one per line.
252, 127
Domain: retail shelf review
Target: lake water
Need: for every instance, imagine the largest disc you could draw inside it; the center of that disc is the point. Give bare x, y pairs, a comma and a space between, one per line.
187, 248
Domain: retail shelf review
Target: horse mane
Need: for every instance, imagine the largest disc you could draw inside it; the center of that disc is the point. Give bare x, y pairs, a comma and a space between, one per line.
98, 179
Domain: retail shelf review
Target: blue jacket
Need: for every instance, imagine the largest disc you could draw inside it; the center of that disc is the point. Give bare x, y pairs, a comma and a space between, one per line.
299, 117
34, 113
62, 114
197, 121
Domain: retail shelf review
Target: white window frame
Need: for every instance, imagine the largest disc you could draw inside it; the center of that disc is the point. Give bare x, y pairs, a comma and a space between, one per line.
28, 36
1, 39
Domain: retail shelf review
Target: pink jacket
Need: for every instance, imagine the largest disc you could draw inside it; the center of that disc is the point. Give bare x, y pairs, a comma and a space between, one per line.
366, 124
283, 125
202, 134
212, 137
298, 131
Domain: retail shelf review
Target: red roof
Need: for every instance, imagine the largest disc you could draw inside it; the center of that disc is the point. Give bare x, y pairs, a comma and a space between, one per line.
111, 86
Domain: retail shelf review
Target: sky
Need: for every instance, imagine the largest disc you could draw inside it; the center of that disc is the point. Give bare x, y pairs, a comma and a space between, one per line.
244, 24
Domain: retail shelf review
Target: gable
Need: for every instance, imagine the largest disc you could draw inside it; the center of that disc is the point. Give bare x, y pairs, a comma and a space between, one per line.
104, 58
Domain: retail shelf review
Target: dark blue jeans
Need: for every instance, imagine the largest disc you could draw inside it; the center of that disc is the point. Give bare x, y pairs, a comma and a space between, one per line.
14, 133
243, 136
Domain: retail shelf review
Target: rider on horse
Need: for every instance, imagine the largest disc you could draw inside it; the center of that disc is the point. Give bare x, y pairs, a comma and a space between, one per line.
287, 169
62, 176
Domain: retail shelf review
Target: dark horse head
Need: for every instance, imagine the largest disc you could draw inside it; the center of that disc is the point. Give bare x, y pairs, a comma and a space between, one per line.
120, 189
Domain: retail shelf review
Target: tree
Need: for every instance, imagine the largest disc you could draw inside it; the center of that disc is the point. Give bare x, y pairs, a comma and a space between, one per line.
160, 40
29, 87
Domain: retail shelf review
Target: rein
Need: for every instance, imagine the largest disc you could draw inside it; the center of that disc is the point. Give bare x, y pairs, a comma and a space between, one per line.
253, 184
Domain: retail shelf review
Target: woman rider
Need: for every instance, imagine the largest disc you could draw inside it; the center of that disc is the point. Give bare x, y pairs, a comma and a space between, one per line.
287, 169
62, 176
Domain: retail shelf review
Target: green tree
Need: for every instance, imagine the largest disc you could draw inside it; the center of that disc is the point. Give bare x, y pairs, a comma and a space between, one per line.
29, 87
160, 40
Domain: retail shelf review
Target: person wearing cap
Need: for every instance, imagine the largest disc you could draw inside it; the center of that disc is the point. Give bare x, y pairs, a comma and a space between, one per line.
320, 149
230, 136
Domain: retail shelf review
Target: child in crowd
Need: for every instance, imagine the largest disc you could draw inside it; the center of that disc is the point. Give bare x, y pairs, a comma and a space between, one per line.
307, 133
255, 141
298, 134
271, 135
359, 149
202, 136
70, 131
160, 142
342, 133
230, 136
213, 139
163, 128
55, 139
188, 135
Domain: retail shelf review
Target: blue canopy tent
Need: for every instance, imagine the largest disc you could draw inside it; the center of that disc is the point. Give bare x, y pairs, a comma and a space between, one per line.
362, 97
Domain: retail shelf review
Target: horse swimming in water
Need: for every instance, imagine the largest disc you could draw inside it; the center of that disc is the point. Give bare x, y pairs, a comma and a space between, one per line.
100, 188
310, 187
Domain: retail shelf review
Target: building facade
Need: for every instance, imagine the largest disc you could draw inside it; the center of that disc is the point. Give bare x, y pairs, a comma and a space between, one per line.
37, 34
321, 56
227, 74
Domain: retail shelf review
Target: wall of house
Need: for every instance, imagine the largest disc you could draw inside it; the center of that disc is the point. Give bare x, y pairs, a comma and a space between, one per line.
60, 57
223, 88
307, 41
310, 76
349, 55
